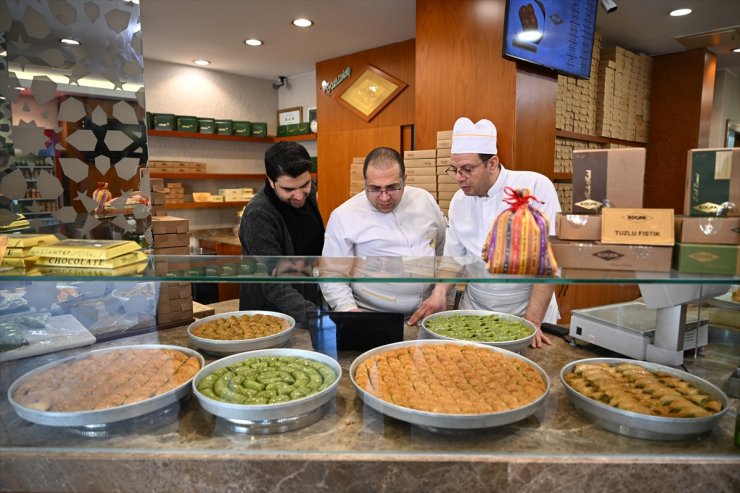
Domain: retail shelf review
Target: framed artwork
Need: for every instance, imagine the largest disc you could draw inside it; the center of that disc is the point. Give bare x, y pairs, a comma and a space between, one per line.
371, 92
289, 116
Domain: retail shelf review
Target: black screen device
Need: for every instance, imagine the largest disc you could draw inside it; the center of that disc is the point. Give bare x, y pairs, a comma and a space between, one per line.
354, 331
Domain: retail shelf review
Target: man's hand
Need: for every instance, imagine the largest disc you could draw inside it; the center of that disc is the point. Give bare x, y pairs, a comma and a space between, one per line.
436, 302
539, 339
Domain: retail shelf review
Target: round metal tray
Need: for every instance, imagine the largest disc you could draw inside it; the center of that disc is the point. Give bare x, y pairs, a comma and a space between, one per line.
102, 416
515, 345
639, 425
267, 414
240, 345
432, 420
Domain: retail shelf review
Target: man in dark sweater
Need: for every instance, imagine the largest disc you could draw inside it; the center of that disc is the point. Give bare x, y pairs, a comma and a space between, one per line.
283, 219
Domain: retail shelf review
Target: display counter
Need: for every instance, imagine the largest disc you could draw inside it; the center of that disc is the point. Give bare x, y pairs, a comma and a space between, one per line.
352, 447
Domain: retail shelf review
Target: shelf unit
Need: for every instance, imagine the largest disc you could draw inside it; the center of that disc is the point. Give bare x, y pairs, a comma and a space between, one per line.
207, 205
565, 134
207, 176
232, 138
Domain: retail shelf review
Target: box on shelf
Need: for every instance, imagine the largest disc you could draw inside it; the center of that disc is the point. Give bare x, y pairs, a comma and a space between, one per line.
596, 255
206, 125
170, 240
169, 225
425, 171
637, 226
578, 226
696, 258
444, 152
175, 303
202, 197
217, 198
177, 167
224, 127
716, 230
157, 184
282, 130
616, 175
241, 128
164, 121
157, 198
420, 154
259, 129
420, 163
712, 178
186, 123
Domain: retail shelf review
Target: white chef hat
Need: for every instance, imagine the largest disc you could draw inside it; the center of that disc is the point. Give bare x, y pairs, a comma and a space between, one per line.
478, 138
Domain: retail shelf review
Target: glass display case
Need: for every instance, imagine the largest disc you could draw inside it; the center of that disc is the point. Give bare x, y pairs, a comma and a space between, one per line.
343, 443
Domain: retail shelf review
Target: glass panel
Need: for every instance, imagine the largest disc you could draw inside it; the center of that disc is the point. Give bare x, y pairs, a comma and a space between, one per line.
72, 124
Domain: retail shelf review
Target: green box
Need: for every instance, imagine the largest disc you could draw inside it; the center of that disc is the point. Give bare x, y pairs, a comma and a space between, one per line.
714, 179
206, 125
241, 128
292, 128
696, 258
164, 121
282, 130
224, 127
259, 129
186, 123
149, 120
303, 128
315, 167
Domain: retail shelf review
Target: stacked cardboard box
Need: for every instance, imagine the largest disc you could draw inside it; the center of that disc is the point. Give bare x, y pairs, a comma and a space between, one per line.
177, 167
158, 191
446, 185
575, 109
356, 180
171, 237
565, 196
174, 193
564, 152
422, 174
236, 194
623, 110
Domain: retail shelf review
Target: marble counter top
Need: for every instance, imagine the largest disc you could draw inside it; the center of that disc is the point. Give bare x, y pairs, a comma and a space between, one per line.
352, 447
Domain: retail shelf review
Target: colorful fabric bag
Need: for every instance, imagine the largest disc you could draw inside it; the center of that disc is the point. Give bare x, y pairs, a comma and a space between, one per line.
518, 241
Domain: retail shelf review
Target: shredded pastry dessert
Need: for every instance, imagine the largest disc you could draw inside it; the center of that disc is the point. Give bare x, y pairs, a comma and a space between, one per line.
241, 327
101, 381
450, 378
635, 388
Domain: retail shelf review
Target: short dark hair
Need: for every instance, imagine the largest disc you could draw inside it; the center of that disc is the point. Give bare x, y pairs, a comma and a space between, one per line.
384, 154
287, 158
485, 157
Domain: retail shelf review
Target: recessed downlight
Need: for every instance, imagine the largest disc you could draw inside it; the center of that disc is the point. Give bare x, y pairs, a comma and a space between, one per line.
201, 62
253, 42
680, 12
69, 41
302, 22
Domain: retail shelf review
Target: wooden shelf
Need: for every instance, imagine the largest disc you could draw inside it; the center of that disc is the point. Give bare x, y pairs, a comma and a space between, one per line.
207, 205
562, 176
233, 138
599, 140
207, 176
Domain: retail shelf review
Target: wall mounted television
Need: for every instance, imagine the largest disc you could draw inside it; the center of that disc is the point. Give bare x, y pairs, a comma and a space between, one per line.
557, 34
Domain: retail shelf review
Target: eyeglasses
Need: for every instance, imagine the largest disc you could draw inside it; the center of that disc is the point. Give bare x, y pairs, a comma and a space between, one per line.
390, 189
465, 171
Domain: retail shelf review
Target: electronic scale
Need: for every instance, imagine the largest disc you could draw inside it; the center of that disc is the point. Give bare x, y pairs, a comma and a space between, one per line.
656, 330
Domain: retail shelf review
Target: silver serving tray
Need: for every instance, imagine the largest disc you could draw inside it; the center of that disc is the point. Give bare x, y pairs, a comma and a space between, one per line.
516, 345
240, 345
448, 421
639, 425
267, 413
102, 416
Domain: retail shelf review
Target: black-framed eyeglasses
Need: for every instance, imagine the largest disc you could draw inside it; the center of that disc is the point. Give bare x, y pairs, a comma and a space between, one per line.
465, 171
390, 189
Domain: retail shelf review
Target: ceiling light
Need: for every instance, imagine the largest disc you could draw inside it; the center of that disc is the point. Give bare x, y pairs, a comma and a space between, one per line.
680, 12
302, 23
736, 50
201, 62
69, 41
253, 42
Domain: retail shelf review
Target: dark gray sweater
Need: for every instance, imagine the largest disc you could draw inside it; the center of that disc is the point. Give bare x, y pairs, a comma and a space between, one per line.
263, 231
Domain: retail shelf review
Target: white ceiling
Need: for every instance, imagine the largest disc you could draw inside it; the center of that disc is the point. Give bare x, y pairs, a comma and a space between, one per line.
180, 31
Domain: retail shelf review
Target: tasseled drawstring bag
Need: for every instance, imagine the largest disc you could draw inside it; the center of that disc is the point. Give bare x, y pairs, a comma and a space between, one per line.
518, 241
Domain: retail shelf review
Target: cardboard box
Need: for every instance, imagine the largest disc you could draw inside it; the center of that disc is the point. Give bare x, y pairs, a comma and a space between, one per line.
168, 240
444, 143
177, 250
169, 224
715, 230
596, 255
422, 180
429, 187
712, 178
420, 154
448, 187
202, 196
444, 134
443, 153
426, 171
637, 226
578, 226
696, 258
419, 163
444, 162
616, 175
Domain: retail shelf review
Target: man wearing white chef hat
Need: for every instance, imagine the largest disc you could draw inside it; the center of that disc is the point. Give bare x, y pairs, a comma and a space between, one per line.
482, 180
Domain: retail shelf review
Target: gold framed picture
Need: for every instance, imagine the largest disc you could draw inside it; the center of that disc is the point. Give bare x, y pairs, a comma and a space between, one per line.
289, 116
371, 92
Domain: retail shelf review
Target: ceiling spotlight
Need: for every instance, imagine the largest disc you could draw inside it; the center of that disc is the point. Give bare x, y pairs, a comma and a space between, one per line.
679, 12
253, 42
69, 41
201, 62
302, 22
280, 82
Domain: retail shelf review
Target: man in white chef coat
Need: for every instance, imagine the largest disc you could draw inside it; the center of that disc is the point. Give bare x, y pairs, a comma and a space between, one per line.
388, 220
482, 180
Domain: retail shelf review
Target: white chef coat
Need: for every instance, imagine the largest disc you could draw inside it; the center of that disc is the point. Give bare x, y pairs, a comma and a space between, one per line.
415, 228
470, 220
